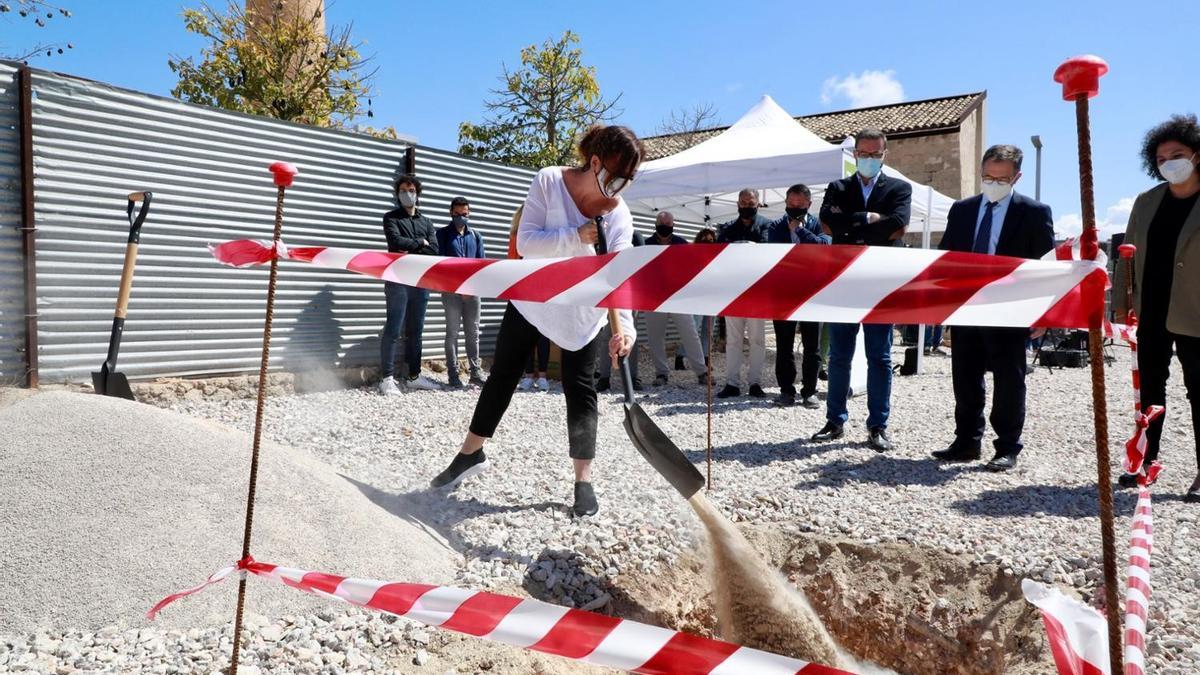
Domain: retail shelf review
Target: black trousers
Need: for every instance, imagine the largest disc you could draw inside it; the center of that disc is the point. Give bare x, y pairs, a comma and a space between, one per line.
974, 352
1154, 365
539, 359
785, 356
515, 340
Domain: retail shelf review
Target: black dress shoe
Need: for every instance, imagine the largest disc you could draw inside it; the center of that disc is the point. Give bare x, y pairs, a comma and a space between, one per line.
829, 432
1127, 480
757, 391
878, 440
603, 384
1002, 463
785, 399
729, 392
823, 375
957, 453
679, 362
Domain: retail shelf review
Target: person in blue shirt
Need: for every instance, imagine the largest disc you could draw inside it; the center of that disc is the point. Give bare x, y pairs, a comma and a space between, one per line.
797, 226
458, 240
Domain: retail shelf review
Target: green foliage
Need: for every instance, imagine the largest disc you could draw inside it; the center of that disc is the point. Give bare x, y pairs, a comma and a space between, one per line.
542, 108
279, 66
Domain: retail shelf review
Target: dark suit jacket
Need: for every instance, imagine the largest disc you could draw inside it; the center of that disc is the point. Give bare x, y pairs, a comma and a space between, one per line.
891, 198
1027, 232
778, 231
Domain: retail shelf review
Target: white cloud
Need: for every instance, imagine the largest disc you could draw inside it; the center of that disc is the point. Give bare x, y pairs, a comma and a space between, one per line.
1113, 221
868, 88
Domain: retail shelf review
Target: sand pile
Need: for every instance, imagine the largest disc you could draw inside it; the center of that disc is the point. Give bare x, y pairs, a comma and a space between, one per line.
107, 506
756, 607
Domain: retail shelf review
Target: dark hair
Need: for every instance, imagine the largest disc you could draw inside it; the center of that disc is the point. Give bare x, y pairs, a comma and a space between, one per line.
1181, 128
612, 143
409, 179
459, 201
702, 232
1004, 153
799, 189
869, 134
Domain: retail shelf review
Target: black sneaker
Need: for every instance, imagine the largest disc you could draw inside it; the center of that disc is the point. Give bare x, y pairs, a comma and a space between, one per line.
679, 362
660, 380
810, 401
585, 500
461, 468
602, 384
785, 399
729, 392
757, 391
823, 375
478, 379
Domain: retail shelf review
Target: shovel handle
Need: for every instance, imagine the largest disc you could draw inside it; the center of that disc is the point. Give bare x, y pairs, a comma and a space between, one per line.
135, 222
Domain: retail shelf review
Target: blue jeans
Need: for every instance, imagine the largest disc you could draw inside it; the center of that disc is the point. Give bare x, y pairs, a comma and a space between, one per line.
877, 338
933, 336
405, 309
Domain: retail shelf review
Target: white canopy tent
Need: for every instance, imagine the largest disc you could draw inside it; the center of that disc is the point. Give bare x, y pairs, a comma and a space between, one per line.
767, 149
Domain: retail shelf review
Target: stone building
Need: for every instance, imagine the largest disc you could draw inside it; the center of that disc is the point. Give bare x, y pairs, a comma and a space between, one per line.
938, 141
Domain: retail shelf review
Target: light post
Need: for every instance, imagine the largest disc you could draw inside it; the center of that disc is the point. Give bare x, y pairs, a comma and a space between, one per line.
1037, 178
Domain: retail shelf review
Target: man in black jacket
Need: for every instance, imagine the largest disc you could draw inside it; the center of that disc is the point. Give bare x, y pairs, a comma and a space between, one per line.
997, 222
797, 226
872, 209
407, 231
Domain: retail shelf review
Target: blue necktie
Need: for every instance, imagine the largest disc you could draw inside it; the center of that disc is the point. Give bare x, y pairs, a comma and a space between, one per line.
983, 238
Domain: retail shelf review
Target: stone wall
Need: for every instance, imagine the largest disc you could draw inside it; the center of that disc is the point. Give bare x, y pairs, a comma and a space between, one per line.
933, 160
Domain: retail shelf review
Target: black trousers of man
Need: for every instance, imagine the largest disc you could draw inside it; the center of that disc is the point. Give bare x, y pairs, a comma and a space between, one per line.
975, 351
785, 356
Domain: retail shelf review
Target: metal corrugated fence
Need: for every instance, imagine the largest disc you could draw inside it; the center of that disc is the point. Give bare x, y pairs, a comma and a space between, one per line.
94, 143
12, 279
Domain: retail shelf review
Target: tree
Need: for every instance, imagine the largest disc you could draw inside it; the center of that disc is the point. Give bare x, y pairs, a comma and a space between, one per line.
40, 12
282, 66
535, 118
684, 121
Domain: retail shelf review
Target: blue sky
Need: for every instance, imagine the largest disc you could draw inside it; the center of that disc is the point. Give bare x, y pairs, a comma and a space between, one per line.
437, 60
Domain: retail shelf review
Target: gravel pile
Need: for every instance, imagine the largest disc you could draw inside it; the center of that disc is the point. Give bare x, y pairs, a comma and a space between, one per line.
512, 527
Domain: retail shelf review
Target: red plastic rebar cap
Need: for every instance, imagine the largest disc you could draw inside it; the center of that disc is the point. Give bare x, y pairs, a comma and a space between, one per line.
284, 174
1080, 75
1127, 250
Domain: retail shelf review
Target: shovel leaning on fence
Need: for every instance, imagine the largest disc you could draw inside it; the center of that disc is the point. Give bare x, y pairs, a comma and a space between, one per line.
650, 441
108, 381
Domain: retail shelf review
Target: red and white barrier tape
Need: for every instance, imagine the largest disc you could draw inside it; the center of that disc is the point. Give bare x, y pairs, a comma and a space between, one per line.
1078, 634
1137, 593
847, 284
572, 633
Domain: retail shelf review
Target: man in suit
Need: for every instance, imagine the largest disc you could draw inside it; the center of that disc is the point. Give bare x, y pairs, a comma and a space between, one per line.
868, 208
997, 222
797, 226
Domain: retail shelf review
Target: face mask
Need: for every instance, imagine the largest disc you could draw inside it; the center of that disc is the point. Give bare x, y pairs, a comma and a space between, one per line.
1177, 171
994, 192
609, 185
869, 167
747, 212
796, 213
459, 222
664, 230
407, 199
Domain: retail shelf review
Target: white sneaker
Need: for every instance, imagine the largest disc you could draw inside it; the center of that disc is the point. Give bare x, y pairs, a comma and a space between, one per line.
525, 384
542, 384
388, 387
422, 382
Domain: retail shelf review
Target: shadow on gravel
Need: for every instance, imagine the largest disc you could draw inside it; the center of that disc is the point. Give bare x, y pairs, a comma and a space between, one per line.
438, 511
1077, 501
884, 470
762, 454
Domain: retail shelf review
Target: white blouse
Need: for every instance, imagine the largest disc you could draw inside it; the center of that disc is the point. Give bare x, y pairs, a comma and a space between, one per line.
549, 229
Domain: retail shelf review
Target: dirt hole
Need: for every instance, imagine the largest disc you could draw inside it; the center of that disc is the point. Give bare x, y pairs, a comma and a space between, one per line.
900, 606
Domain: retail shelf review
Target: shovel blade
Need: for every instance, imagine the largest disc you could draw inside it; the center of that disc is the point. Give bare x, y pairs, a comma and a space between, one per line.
661, 452
112, 383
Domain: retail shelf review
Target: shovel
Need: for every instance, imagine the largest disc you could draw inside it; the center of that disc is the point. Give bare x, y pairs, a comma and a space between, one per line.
650, 441
109, 382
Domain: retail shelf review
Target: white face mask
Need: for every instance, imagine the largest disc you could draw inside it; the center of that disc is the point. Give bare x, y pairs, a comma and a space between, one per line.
406, 199
994, 191
1177, 171
609, 185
